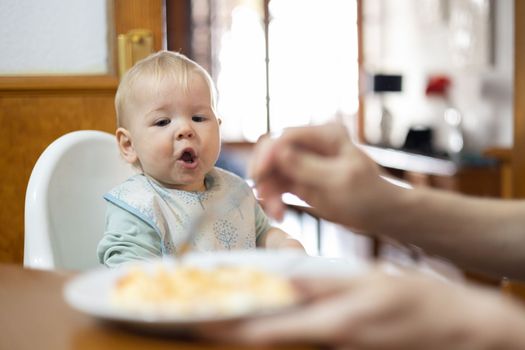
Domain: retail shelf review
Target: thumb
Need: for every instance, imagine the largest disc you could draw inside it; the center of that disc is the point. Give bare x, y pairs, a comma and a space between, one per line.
312, 288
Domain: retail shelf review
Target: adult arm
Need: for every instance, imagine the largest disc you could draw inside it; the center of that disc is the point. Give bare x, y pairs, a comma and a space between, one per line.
477, 233
322, 166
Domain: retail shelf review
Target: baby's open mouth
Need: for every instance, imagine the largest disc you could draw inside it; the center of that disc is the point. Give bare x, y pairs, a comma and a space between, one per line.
188, 156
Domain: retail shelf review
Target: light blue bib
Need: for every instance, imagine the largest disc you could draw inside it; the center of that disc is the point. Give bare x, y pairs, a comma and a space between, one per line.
170, 212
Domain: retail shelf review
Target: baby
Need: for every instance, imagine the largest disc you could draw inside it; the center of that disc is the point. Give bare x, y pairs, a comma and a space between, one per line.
168, 129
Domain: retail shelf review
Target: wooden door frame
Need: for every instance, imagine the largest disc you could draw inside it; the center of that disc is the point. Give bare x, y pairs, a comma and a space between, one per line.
518, 148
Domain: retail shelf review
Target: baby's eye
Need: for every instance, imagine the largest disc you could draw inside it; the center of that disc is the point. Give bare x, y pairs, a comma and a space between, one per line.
162, 122
198, 118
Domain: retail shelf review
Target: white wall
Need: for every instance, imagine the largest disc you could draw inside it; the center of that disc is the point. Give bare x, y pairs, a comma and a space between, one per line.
53, 37
417, 38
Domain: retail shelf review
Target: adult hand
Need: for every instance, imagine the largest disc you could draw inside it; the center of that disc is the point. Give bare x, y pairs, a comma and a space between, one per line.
322, 166
380, 311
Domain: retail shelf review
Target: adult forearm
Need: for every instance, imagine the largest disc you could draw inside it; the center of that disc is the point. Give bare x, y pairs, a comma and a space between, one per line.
476, 233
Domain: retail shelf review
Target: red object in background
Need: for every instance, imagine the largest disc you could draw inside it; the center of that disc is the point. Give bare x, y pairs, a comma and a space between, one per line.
437, 85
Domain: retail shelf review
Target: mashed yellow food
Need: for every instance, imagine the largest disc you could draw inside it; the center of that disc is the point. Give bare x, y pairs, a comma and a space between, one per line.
197, 292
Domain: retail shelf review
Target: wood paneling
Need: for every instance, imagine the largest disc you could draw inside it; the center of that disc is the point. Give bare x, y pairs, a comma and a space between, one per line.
178, 26
36, 110
504, 157
517, 158
518, 151
30, 119
53, 85
146, 14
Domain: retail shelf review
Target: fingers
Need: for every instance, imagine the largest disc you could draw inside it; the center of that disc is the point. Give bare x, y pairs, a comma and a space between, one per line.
274, 207
305, 324
262, 160
269, 191
300, 161
315, 288
305, 168
290, 170
309, 324
338, 311
373, 311
324, 139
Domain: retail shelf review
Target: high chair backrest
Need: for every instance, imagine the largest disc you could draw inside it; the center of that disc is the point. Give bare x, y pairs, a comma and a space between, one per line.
64, 207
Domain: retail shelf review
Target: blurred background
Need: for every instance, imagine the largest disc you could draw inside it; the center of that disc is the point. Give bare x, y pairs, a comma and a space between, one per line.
426, 86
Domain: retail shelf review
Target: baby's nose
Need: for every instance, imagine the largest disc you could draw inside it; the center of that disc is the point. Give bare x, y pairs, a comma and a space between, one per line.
185, 133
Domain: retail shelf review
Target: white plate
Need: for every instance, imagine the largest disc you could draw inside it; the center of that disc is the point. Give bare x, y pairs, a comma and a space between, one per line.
90, 291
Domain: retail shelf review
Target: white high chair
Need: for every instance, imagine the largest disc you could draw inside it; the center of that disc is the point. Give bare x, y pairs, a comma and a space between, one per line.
64, 208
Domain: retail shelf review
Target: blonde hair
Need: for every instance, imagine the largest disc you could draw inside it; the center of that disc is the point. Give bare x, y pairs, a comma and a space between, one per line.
160, 65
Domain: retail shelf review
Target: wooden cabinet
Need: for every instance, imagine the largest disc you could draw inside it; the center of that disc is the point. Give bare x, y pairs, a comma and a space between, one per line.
481, 179
477, 181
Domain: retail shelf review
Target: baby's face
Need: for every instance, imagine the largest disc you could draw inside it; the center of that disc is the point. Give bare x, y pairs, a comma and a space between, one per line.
175, 133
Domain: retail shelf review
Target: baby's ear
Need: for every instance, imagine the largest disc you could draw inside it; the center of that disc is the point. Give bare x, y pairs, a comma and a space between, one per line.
219, 120
125, 145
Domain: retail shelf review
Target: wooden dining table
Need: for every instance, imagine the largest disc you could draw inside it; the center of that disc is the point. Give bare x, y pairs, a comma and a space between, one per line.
34, 315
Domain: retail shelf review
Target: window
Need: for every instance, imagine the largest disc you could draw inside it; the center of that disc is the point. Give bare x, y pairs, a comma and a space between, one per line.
278, 63
54, 37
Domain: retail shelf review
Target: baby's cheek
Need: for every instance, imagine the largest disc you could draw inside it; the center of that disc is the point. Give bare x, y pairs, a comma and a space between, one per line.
163, 150
158, 156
